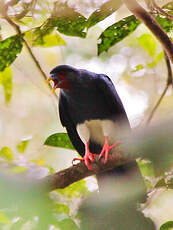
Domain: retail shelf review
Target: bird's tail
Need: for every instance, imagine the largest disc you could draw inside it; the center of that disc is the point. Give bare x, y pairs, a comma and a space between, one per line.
125, 181
124, 188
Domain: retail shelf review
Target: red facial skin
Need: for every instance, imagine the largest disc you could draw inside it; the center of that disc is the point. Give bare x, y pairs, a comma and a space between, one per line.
63, 83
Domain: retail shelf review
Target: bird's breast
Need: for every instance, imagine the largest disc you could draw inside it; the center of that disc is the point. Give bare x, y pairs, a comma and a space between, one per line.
98, 129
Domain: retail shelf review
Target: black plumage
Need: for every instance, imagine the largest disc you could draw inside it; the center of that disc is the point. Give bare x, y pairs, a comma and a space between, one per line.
85, 97
90, 96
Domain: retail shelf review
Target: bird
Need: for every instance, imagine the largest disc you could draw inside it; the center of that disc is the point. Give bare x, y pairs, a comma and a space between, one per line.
92, 112
90, 109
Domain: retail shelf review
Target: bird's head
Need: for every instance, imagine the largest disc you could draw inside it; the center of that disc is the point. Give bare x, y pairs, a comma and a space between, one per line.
63, 77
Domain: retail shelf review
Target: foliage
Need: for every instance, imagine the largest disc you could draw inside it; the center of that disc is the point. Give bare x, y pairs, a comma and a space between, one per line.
148, 43
39, 37
67, 20
6, 82
74, 190
59, 140
115, 33
103, 12
166, 24
47, 29
167, 226
4, 219
6, 153
21, 147
9, 48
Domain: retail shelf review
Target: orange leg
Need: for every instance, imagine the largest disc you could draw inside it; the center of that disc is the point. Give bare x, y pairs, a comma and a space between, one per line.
88, 157
106, 149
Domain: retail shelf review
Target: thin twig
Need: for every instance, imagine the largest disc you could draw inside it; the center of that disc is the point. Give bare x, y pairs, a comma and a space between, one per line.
169, 71
161, 11
17, 29
157, 105
38, 65
26, 9
168, 83
151, 23
169, 76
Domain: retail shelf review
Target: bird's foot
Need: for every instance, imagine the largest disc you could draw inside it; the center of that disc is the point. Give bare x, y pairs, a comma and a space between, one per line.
88, 157
106, 149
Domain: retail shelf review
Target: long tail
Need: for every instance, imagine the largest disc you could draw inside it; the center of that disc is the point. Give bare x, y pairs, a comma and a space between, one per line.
125, 181
123, 188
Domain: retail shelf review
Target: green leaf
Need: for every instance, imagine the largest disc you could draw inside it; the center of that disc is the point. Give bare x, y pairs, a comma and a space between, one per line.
166, 24
6, 153
18, 169
137, 68
67, 20
62, 208
51, 169
53, 40
117, 32
167, 226
21, 147
27, 20
9, 48
160, 183
74, 190
156, 60
148, 42
6, 82
59, 140
104, 11
67, 224
0, 34
4, 219
42, 37
146, 168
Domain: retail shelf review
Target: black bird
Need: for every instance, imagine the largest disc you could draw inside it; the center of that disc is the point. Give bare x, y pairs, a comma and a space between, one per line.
92, 112
90, 109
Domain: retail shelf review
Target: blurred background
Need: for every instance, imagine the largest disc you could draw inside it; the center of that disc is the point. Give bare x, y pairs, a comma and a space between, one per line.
137, 69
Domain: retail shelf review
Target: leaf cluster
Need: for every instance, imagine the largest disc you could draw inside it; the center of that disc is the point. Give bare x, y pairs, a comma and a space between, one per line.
66, 20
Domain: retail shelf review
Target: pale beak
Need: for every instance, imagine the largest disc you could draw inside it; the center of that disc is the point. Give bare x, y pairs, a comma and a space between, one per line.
56, 86
53, 89
48, 80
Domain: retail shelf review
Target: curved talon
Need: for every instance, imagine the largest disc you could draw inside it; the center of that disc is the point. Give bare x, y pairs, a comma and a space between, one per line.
88, 157
106, 149
77, 159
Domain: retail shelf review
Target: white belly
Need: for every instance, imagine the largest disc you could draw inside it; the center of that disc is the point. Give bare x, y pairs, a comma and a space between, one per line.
96, 130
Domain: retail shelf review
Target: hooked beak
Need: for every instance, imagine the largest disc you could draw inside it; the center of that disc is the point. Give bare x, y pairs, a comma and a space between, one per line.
57, 83
56, 86
48, 80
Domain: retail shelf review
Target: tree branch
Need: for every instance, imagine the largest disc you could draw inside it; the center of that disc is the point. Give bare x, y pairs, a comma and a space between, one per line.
167, 44
157, 105
151, 23
168, 83
153, 143
77, 172
3, 11
161, 11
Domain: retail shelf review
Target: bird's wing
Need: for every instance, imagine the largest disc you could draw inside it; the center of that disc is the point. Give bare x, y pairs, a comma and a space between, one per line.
69, 125
106, 87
